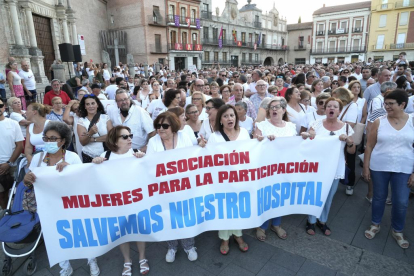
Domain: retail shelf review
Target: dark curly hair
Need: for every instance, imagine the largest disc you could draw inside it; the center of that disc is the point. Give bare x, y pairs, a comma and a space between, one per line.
82, 110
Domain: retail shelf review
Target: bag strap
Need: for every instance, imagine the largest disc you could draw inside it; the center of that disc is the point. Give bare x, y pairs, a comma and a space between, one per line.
347, 126
135, 150
107, 154
224, 135
313, 113
41, 158
345, 111
94, 120
302, 108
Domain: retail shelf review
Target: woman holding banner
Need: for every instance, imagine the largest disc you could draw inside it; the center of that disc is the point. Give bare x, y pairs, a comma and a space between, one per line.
226, 128
168, 137
57, 136
277, 126
331, 126
119, 142
212, 105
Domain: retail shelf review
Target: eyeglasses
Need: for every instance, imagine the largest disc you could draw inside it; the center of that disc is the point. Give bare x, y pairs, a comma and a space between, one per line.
192, 112
261, 85
58, 103
199, 85
223, 75
321, 103
125, 136
1, 105
208, 108
51, 139
306, 101
225, 91
275, 107
164, 126
122, 100
389, 104
196, 99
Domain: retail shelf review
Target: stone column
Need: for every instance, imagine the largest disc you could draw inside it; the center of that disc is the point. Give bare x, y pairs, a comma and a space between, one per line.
326, 34
15, 22
74, 34
351, 23
314, 37
65, 30
30, 26
364, 33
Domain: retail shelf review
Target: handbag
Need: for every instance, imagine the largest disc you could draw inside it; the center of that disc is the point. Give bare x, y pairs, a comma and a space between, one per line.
345, 180
358, 129
29, 198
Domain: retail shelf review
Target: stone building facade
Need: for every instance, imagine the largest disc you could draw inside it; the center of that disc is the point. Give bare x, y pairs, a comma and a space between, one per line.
249, 36
299, 41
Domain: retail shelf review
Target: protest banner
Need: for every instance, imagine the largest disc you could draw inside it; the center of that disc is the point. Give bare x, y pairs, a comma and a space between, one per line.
88, 209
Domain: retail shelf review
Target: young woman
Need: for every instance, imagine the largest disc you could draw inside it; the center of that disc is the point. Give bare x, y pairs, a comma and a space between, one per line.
296, 111
193, 120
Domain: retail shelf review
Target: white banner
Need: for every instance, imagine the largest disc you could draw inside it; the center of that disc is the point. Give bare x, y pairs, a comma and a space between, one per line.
88, 209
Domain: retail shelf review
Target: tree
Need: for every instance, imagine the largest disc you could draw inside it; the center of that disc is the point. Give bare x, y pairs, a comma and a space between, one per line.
300, 19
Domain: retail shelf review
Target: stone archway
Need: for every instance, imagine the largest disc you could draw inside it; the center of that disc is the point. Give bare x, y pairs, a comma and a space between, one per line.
268, 61
280, 61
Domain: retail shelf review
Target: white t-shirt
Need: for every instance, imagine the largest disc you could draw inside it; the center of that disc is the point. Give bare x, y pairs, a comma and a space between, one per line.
190, 133
155, 108
268, 128
310, 118
247, 124
94, 149
322, 131
106, 75
410, 105
155, 143
110, 91
144, 100
351, 114
360, 103
216, 137
19, 117
114, 155
29, 79
296, 117
70, 158
205, 129
359, 77
10, 133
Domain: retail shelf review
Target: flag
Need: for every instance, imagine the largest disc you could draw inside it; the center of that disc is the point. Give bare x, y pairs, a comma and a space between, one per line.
177, 20
220, 38
234, 35
259, 40
188, 21
198, 25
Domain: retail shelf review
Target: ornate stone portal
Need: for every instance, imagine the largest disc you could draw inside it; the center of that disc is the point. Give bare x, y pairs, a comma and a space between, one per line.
114, 43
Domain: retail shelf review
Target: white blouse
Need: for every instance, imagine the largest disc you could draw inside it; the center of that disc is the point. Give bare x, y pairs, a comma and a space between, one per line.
95, 149
268, 128
296, 117
216, 137
155, 143
360, 104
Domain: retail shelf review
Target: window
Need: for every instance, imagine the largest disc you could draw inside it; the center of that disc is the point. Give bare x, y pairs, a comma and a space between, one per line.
333, 26
301, 42
319, 46
194, 38
215, 34
205, 7
171, 10
400, 40
320, 27
343, 25
183, 12
331, 46
378, 58
215, 56
243, 38
257, 18
243, 57
193, 14
205, 32
156, 13
380, 42
256, 57
406, 3
358, 23
206, 56
300, 61
384, 4
250, 38
158, 43
224, 57
383, 21
250, 57
283, 42
355, 44
184, 38
224, 34
342, 45
404, 19
173, 37
256, 38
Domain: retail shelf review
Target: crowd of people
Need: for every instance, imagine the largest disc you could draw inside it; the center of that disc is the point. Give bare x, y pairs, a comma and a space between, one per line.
98, 115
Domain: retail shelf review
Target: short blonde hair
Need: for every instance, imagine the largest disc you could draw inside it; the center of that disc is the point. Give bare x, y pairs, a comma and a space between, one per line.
344, 95
11, 100
54, 99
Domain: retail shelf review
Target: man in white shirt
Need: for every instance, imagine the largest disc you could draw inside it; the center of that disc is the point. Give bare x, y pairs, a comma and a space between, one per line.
136, 118
111, 89
256, 76
357, 74
11, 141
378, 101
28, 81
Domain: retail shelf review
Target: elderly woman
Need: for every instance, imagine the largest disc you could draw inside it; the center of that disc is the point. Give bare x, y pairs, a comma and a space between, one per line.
305, 100
226, 128
214, 90
18, 114
296, 111
198, 99
119, 142
71, 118
348, 115
193, 119
278, 125
81, 93
36, 113
316, 89
15, 84
331, 126
244, 121
179, 112
388, 159
57, 110
168, 137
207, 127
225, 92
57, 137
319, 114
93, 126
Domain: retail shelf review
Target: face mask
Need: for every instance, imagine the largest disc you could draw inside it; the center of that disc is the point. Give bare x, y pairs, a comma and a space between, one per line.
51, 147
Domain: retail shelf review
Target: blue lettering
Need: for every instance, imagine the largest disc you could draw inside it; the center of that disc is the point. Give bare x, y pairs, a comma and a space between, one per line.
67, 242
318, 194
79, 236
275, 194
128, 225
309, 194
211, 214
101, 230
113, 228
300, 186
244, 208
199, 209
231, 204
285, 193
267, 198
91, 240
189, 213
260, 202
144, 222
293, 193
176, 215
156, 227
220, 197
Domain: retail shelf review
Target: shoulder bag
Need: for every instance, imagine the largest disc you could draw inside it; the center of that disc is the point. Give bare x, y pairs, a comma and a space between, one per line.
358, 129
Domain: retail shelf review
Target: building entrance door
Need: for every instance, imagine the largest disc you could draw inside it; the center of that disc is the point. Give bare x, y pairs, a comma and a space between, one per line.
44, 42
179, 63
235, 61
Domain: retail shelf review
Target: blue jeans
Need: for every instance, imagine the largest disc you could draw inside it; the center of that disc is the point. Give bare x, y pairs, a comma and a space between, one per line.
33, 97
3, 94
400, 195
275, 222
325, 212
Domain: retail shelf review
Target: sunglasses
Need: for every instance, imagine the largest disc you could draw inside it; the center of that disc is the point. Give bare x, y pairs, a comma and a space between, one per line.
1, 105
89, 96
321, 103
332, 133
164, 126
51, 139
125, 136
192, 112
209, 108
223, 75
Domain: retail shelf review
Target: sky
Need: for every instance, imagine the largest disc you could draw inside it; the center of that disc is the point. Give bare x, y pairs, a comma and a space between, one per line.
291, 9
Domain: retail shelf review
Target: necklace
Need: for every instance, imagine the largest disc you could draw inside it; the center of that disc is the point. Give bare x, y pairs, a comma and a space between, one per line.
47, 158
173, 146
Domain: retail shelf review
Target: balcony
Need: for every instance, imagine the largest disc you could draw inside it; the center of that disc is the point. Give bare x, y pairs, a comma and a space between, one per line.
383, 7
220, 61
338, 31
402, 46
339, 50
185, 47
404, 4
320, 33
206, 15
158, 49
357, 30
379, 47
251, 62
156, 21
300, 48
182, 21
257, 24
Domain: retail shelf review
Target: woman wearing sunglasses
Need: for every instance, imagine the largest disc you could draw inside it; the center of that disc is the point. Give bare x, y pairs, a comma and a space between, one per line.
168, 137
119, 142
334, 85
93, 125
57, 137
333, 126
318, 114
277, 125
